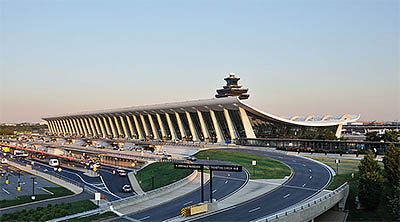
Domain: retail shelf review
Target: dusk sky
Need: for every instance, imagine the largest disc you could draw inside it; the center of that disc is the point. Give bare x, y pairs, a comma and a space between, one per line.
296, 57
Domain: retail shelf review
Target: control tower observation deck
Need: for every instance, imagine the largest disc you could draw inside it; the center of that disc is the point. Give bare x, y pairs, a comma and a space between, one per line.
232, 88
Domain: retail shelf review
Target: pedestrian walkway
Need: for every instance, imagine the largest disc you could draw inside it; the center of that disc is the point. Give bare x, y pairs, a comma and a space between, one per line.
135, 185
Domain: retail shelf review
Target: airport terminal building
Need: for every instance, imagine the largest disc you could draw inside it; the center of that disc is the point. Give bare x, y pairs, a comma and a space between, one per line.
221, 119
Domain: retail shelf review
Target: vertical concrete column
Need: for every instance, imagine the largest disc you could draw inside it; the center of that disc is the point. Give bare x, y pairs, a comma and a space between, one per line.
62, 127
53, 126
49, 126
80, 127
246, 124
171, 127
137, 127
94, 132
65, 126
107, 127
191, 127
85, 131
339, 130
130, 127
118, 126
72, 126
230, 125
180, 125
146, 130
220, 137
75, 126
88, 126
96, 126
114, 132
71, 130
153, 127
160, 123
203, 125
126, 134
103, 132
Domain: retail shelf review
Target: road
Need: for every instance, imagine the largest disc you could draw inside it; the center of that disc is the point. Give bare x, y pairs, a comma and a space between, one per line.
108, 184
224, 184
309, 178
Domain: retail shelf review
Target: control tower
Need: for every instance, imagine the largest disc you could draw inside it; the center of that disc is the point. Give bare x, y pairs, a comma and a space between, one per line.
232, 88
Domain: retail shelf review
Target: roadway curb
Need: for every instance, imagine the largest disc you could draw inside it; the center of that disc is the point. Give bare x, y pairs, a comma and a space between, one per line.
230, 207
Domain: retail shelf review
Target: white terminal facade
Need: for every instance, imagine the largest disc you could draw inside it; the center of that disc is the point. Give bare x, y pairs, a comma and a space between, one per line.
221, 119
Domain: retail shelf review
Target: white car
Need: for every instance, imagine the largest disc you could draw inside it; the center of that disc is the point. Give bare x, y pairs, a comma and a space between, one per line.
4, 161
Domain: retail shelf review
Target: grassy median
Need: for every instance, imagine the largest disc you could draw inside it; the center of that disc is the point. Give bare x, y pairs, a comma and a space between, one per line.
346, 168
266, 168
163, 173
50, 212
57, 192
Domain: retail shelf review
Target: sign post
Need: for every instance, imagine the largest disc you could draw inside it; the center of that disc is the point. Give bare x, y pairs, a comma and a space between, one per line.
211, 167
254, 163
337, 161
97, 198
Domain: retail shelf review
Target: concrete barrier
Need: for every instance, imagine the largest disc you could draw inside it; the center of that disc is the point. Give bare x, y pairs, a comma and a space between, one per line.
311, 209
154, 193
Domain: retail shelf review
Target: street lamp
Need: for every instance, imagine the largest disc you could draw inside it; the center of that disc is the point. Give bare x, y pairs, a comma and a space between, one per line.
33, 188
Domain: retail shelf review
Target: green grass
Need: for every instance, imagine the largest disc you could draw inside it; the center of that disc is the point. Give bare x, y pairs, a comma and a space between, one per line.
58, 192
163, 173
49, 212
346, 168
97, 217
266, 168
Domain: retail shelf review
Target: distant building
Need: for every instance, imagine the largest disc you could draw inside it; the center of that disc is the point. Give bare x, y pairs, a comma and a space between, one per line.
224, 118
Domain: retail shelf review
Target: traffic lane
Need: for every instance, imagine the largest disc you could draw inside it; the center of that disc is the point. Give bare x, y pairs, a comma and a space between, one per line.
115, 183
172, 208
284, 196
94, 183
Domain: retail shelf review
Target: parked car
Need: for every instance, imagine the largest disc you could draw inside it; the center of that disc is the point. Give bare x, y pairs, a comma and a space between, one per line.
4, 161
167, 157
127, 188
192, 158
121, 172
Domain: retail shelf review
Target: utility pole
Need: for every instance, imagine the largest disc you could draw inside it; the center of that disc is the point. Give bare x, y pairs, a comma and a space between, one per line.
211, 189
33, 188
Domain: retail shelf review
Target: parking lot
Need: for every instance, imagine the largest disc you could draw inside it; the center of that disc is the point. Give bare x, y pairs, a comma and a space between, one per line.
9, 191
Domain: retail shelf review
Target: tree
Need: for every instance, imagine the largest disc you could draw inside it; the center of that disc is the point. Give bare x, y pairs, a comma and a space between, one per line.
391, 161
372, 136
390, 136
371, 181
394, 203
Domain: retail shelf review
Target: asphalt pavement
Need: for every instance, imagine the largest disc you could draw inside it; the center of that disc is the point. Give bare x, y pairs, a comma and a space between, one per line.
309, 178
224, 184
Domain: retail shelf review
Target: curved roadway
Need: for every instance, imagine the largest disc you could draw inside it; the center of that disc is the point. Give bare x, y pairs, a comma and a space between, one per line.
309, 178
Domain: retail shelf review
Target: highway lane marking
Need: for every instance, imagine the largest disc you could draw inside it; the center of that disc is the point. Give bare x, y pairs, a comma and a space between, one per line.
5, 190
144, 218
130, 219
108, 189
286, 196
257, 208
214, 191
188, 203
226, 181
309, 170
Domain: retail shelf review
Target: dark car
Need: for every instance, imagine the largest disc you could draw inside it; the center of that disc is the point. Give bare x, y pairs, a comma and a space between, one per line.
121, 172
192, 158
126, 188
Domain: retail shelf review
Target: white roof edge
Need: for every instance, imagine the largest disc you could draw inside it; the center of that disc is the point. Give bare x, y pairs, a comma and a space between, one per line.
315, 123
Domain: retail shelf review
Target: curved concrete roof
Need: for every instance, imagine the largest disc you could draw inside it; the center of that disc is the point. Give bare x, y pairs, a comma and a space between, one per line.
219, 104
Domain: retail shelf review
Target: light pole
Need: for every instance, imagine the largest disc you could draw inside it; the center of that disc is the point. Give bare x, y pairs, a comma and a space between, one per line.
33, 188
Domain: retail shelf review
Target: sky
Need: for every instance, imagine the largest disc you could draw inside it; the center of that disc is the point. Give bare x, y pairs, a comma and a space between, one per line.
296, 57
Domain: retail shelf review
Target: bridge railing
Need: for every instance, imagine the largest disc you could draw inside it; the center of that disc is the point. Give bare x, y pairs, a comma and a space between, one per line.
312, 208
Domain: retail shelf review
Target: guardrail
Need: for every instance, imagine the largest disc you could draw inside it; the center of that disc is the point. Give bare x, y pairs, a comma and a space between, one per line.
310, 209
139, 198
